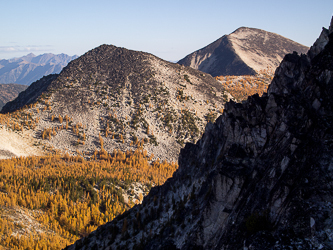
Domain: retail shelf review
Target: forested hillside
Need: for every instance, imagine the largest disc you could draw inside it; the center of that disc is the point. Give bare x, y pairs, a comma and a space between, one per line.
49, 202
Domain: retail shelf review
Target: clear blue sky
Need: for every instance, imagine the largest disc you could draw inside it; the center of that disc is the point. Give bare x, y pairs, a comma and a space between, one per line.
168, 29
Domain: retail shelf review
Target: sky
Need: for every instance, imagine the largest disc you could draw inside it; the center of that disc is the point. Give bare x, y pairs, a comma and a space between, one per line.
168, 29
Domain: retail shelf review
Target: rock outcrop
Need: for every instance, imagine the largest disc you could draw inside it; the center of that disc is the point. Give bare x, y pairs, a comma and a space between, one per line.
246, 51
261, 176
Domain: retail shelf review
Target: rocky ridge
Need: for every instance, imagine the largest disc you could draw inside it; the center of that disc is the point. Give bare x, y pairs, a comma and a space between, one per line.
259, 178
246, 51
117, 98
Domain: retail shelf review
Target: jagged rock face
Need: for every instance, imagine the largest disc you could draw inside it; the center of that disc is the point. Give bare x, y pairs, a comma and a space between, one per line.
29, 68
135, 96
259, 178
246, 51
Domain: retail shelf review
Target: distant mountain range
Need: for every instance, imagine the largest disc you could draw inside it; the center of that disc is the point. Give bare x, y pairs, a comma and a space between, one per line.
27, 69
9, 92
246, 51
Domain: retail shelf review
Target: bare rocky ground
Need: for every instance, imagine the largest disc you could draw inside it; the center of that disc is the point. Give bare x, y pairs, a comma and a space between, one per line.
246, 51
122, 99
15, 144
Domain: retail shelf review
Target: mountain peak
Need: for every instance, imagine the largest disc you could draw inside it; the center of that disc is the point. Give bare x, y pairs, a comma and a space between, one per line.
248, 33
131, 98
244, 28
27, 58
246, 51
31, 55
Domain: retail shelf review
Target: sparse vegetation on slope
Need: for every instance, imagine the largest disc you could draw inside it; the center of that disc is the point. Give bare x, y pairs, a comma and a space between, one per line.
19, 120
240, 87
127, 98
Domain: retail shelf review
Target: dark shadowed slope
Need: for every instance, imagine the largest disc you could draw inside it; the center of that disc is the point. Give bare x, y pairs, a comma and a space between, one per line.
9, 92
